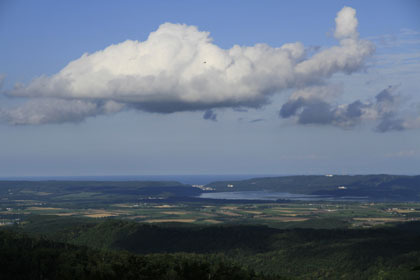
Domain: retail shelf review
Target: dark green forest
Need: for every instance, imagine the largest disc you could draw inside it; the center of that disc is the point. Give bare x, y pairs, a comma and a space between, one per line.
59, 248
24, 257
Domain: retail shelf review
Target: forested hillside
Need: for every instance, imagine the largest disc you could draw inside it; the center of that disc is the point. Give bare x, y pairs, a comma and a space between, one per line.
387, 252
24, 257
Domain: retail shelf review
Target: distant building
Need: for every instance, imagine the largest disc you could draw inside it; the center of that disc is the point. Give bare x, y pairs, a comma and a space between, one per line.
202, 187
329, 175
342, 187
230, 186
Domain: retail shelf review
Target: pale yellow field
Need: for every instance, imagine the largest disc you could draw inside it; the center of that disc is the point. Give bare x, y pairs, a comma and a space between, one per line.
252, 212
228, 213
35, 193
65, 214
293, 209
174, 212
124, 205
229, 207
165, 206
403, 211
100, 215
288, 214
212, 221
284, 210
285, 219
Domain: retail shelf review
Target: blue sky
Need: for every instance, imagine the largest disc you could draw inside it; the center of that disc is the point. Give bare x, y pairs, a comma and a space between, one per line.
126, 131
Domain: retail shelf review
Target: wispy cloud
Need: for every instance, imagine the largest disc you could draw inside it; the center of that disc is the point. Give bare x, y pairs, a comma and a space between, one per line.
403, 154
406, 38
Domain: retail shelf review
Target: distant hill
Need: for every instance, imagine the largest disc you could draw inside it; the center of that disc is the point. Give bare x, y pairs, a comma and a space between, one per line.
93, 192
375, 187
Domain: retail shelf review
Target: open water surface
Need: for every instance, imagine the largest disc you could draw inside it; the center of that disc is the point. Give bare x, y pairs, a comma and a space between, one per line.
273, 196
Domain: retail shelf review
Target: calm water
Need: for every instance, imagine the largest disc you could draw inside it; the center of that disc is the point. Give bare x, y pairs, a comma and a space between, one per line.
267, 195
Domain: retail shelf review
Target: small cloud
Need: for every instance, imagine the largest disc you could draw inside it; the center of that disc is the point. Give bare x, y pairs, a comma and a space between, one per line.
389, 123
210, 115
2, 77
316, 112
346, 23
385, 95
291, 107
256, 120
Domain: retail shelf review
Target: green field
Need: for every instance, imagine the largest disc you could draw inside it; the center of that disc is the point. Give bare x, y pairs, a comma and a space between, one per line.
279, 215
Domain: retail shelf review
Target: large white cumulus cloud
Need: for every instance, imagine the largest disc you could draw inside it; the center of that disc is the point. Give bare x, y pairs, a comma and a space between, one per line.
179, 68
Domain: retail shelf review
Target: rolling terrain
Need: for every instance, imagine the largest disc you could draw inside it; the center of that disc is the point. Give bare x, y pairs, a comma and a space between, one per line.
146, 229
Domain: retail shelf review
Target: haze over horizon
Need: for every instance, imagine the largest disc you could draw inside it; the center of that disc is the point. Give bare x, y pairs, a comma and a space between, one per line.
99, 88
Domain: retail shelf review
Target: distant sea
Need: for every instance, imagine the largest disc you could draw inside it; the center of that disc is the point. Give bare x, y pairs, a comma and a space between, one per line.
185, 179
